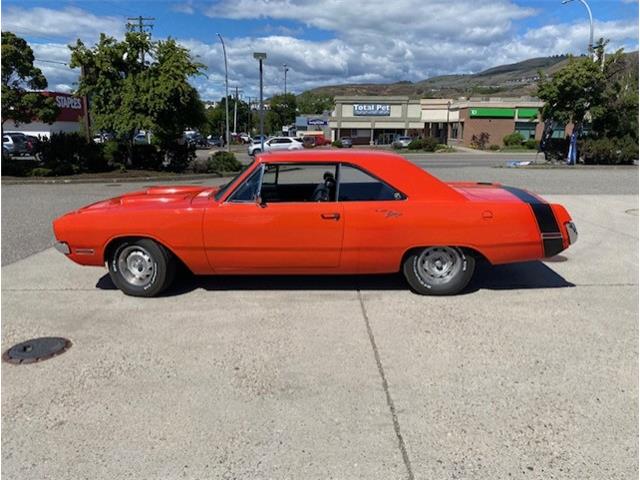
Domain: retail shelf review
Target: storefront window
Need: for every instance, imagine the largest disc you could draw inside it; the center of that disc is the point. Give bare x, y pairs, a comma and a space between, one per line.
526, 129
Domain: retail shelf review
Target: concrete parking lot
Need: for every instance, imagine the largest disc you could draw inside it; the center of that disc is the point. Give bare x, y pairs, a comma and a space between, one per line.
532, 373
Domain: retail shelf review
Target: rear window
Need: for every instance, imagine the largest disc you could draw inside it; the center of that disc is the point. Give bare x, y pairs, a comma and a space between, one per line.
356, 185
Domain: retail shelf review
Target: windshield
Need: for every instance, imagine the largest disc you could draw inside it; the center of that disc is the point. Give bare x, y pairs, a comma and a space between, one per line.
219, 194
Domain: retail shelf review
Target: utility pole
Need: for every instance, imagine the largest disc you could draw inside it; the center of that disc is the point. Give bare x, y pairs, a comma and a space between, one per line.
226, 89
85, 106
261, 56
286, 69
141, 26
235, 112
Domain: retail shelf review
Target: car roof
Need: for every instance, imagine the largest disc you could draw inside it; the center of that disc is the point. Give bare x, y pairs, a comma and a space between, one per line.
390, 167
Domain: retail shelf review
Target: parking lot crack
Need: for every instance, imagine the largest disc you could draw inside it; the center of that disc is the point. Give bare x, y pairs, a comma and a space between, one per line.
385, 386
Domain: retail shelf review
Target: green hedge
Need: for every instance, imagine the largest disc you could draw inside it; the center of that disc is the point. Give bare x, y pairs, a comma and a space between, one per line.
513, 139
608, 151
220, 162
70, 153
337, 144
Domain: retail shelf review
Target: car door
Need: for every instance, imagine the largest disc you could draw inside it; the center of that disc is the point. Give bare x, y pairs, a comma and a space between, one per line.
376, 221
285, 233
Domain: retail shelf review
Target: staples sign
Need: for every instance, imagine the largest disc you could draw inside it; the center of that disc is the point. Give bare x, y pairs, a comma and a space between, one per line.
68, 102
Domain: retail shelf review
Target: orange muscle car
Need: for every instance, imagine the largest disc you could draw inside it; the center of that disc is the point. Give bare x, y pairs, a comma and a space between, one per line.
315, 212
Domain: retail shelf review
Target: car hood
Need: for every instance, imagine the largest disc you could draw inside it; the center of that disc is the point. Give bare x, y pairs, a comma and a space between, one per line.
153, 196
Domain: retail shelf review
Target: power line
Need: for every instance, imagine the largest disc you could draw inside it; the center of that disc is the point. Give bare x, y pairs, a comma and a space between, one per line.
50, 61
142, 28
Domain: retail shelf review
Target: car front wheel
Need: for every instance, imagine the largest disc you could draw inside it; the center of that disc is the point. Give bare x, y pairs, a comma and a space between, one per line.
438, 270
141, 267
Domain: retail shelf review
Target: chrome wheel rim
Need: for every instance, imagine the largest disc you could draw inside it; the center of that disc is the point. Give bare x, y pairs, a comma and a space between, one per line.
136, 266
439, 265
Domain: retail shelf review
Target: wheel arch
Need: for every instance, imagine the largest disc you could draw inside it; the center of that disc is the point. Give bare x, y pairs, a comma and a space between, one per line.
113, 242
473, 251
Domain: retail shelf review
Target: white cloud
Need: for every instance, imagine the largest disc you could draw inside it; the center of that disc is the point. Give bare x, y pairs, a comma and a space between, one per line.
368, 42
184, 7
70, 22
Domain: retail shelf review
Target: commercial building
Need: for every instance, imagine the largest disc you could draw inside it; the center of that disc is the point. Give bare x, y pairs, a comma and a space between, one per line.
375, 120
69, 119
371, 120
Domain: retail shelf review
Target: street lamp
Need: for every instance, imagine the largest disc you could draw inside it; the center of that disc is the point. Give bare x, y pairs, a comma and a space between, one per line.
286, 69
226, 88
260, 56
590, 48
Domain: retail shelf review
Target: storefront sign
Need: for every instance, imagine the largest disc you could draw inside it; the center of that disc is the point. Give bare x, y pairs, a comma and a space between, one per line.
71, 108
316, 121
492, 112
371, 110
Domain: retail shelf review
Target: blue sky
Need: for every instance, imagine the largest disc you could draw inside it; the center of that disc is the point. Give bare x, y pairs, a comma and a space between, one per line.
328, 42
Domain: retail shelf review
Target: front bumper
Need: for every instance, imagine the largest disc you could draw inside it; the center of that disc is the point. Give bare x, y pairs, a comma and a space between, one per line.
62, 247
572, 232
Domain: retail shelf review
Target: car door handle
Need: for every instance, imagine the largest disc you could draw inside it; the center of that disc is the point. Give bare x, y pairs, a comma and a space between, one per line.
330, 216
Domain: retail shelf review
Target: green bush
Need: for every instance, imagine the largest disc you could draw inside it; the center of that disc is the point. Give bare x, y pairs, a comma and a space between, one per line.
608, 151
179, 157
70, 153
493, 147
146, 157
17, 168
40, 172
337, 144
531, 144
429, 144
114, 153
415, 144
223, 162
513, 139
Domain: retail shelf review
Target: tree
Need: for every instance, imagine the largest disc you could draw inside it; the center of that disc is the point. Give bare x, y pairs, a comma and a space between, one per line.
573, 91
215, 117
128, 95
20, 78
283, 110
314, 103
603, 92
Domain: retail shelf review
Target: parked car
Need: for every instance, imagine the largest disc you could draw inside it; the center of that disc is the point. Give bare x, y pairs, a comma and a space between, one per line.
346, 142
316, 212
244, 137
276, 144
195, 140
141, 138
215, 141
103, 137
401, 142
17, 144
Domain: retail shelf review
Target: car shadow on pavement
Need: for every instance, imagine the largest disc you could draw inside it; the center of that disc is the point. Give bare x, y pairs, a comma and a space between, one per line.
500, 277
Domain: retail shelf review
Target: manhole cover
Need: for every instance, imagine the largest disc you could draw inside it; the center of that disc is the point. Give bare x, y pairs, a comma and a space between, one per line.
36, 350
632, 211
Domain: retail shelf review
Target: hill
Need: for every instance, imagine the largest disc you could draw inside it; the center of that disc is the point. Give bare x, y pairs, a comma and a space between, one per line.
512, 80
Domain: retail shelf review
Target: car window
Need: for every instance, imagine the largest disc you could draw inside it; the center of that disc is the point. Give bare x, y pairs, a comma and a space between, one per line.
248, 191
356, 185
299, 183
5, 139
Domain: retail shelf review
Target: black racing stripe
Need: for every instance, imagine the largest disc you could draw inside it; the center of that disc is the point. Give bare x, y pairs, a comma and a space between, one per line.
544, 217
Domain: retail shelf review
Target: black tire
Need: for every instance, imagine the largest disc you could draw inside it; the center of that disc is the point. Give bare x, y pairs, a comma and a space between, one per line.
154, 263
256, 152
438, 270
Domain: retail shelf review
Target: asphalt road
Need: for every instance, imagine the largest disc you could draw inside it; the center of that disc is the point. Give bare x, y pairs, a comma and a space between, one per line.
28, 210
533, 373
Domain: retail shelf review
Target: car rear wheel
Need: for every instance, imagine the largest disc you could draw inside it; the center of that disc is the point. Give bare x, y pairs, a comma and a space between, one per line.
141, 267
438, 270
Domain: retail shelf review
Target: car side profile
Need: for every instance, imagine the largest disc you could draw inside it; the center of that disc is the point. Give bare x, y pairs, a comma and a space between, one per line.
276, 144
316, 212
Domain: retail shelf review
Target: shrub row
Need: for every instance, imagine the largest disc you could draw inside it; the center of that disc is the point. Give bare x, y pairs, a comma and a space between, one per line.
70, 154
220, 163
